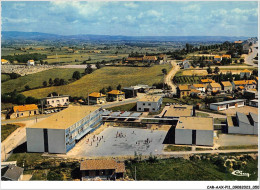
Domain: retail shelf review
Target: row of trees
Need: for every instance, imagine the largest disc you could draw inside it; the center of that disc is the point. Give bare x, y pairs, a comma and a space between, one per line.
55, 82
17, 98
109, 88
23, 58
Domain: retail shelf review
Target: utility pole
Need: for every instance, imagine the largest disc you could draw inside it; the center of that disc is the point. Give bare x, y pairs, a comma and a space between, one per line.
163, 81
135, 173
88, 98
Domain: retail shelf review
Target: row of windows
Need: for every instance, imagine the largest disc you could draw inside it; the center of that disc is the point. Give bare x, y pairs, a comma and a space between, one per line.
57, 101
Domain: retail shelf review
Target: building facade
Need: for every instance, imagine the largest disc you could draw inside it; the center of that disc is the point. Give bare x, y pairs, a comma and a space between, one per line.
56, 101
227, 104
226, 86
116, 95
97, 98
23, 111
149, 103
60, 132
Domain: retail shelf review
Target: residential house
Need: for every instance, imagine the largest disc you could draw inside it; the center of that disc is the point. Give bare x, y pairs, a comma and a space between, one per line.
134, 60
104, 169
194, 131
214, 87
183, 90
200, 87
97, 98
4, 61
130, 92
217, 58
206, 81
244, 73
60, 132
226, 56
116, 95
55, 101
149, 103
23, 111
30, 63
243, 124
226, 86
186, 64
253, 103
11, 173
219, 106
246, 48
163, 58
244, 84
150, 58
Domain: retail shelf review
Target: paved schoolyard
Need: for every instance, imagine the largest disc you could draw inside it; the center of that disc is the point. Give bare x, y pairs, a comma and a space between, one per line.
235, 140
245, 110
128, 144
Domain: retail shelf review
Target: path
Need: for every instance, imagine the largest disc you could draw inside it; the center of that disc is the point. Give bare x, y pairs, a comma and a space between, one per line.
170, 75
250, 57
209, 151
214, 115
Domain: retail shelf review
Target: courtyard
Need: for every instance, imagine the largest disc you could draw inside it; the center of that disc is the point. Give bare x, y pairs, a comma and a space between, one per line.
118, 141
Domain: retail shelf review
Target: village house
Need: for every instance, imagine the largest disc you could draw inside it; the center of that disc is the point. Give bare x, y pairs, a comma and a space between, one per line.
163, 58
149, 103
214, 87
226, 86
103, 169
226, 56
150, 58
244, 73
183, 90
97, 98
206, 81
134, 60
4, 61
23, 111
244, 84
56, 101
217, 58
200, 87
30, 63
116, 95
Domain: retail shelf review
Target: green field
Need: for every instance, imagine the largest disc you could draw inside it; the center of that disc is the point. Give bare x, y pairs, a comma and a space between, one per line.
125, 107
5, 77
185, 170
6, 130
104, 77
238, 147
170, 148
36, 79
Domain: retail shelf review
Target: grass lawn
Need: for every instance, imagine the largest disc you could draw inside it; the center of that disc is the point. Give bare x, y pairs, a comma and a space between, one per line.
126, 107
199, 114
104, 77
184, 170
238, 147
170, 148
6, 130
4, 77
36, 79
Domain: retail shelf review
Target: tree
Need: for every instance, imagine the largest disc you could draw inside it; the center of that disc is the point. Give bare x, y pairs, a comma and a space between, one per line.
119, 87
76, 75
88, 69
242, 61
102, 91
98, 65
31, 100
50, 82
62, 82
27, 87
44, 83
109, 89
164, 71
216, 70
20, 99
54, 176
202, 64
209, 70
56, 82
46, 62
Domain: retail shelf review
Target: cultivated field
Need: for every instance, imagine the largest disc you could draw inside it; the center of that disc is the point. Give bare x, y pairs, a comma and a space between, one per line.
36, 79
104, 77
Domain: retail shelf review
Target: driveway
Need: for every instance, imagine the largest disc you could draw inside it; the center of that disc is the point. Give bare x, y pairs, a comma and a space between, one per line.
170, 75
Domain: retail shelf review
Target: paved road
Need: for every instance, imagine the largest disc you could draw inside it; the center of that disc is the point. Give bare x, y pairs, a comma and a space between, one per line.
169, 77
209, 151
249, 58
19, 120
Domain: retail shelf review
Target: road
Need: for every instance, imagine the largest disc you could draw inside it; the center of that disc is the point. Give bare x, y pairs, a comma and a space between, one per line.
249, 58
170, 75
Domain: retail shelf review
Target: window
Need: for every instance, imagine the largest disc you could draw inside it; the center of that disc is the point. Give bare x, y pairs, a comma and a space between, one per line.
182, 93
52, 101
153, 109
143, 104
139, 108
149, 104
21, 114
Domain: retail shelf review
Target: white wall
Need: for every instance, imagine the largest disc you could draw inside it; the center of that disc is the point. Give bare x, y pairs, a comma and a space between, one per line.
183, 136
213, 107
154, 105
56, 141
204, 137
35, 142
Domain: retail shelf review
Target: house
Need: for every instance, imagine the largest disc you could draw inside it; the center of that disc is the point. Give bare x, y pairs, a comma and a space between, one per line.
243, 124
246, 84
116, 95
194, 131
163, 58
149, 103
179, 110
214, 87
206, 81
226, 86
217, 58
199, 87
246, 48
130, 92
55, 101
226, 56
253, 103
186, 64
23, 111
245, 73
30, 63
4, 61
11, 173
238, 42
104, 169
134, 59
150, 58
60, 132
183, 90
227, 104
251, 94
97, 98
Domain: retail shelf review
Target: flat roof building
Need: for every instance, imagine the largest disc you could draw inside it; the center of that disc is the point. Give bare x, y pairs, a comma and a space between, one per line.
218, 106
194, 130
175, 111
60, 132
149, 103
56, 101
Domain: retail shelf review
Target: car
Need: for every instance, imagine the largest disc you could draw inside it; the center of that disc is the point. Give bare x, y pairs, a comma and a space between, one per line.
167, 104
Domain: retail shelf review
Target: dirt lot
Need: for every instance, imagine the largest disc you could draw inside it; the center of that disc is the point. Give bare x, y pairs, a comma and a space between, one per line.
235, 140
245, 109
195, 72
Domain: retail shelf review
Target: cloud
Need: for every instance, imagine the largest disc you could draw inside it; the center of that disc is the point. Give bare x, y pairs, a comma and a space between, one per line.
153, 13
191, 8
18, 20
245, 11
131, 5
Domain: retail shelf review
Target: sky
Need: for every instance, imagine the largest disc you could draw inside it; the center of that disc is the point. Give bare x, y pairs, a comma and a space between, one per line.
132, 18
